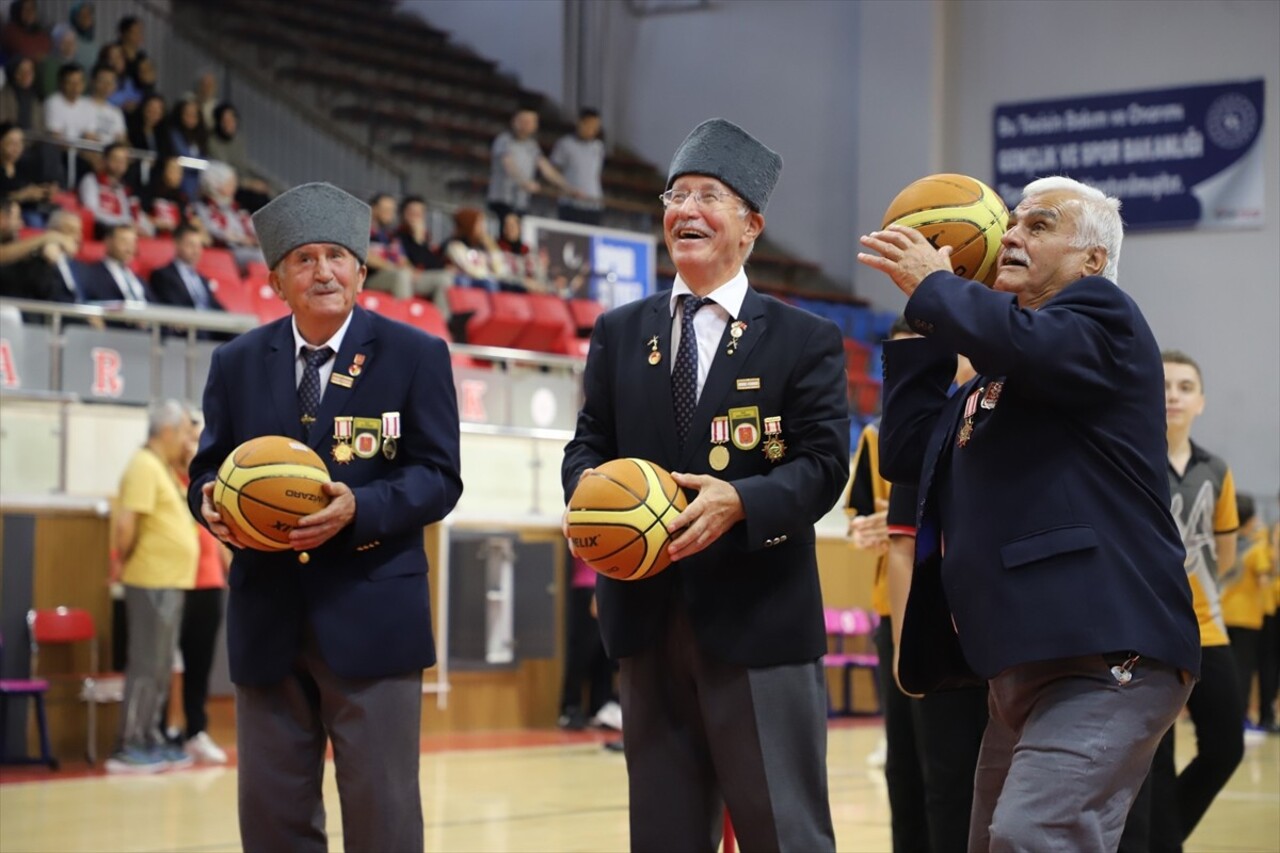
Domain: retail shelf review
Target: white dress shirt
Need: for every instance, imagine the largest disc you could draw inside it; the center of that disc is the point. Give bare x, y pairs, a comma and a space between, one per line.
710, 321
326, 370
130, 285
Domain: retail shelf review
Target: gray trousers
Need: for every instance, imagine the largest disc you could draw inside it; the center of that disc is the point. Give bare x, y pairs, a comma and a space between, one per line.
1065, 752
154, 616
700, 734
281, 734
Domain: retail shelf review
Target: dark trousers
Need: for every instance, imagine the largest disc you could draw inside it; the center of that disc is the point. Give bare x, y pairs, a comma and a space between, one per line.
1175, 802
949, 729
903, 773
585, 658
1244, 650
1268, 669
569, 213
201, 619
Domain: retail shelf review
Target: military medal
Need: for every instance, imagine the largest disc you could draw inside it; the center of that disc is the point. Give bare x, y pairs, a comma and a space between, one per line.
342, 451
367, 438
992, 396
654, 355
966, 428
357, 364
736, 328
719, 456
744, 427
774, 447
390, 432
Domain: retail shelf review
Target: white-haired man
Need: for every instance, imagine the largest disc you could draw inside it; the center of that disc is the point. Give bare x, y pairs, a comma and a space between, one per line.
1062, 580
155, 555
227, 224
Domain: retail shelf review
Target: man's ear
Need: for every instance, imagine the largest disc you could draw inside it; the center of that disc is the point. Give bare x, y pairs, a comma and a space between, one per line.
273, 279
755, 225
1095, 261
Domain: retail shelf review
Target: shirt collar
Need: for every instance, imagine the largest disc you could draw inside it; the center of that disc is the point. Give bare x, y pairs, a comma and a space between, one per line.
728, 296
334, 343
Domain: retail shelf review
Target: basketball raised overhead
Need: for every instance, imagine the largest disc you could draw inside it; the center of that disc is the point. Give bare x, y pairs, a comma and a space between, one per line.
956, 211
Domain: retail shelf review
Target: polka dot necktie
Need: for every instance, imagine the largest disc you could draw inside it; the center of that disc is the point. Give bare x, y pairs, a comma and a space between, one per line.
309, 387
684, 376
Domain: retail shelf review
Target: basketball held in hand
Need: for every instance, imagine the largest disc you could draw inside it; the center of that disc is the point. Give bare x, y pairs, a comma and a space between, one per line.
265, 486
956, 211
620, 516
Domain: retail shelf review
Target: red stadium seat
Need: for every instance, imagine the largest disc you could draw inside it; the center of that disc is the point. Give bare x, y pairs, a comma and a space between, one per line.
269, 306
509, 314
856, 357
585, 312
87, 221
153, 253
864, 393
256, 270
549, 322
571, 344
67, 200
466, 304
427, 317
235, 296
91, 251
382, 303
219, 264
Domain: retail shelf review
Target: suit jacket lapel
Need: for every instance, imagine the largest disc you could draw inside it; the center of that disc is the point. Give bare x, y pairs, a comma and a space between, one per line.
337, 398
724, 369
657, 377
282, 377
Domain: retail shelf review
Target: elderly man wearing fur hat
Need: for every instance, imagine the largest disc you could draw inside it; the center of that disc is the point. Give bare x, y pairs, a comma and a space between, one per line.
742, 397
327, 641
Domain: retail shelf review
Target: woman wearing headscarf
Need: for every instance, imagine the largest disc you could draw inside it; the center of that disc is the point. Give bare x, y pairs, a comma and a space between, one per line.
226, 143
23, 34
20, 103
82, 20
65, 49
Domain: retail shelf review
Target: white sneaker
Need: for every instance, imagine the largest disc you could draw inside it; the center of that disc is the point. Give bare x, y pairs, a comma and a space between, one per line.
204, 750
877, 758
609, 716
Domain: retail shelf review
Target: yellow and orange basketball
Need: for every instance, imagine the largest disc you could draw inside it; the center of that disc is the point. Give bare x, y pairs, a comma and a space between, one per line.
956, 211
265, 486
619, 518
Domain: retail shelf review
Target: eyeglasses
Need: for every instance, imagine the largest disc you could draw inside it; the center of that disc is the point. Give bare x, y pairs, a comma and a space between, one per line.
701, 198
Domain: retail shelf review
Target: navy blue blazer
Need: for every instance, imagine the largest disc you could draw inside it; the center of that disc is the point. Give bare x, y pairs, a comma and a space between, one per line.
753, 596
364, 592
1055, 512
97, 285
169, 288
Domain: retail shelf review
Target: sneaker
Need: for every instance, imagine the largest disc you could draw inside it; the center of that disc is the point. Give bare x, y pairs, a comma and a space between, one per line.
204, 750
137, 760
608, 717
881, 754
615, 745
176, 756
572, 719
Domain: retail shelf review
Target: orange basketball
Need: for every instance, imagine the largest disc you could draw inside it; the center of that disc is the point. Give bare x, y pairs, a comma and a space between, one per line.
619, 516
956, 211
265, 486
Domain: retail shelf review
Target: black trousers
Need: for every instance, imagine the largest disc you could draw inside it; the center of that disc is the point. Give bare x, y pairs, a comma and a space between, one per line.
201, 618
1268, 669
569, 213
585, 658
903, 770
1245, 644
1170, 804
949, 729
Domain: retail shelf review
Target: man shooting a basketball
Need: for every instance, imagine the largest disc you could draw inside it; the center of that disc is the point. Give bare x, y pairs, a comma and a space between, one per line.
327, 641
1061, 581
743, 398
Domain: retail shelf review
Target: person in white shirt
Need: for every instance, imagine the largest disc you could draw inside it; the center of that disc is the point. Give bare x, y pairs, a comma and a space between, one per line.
66, 112
105, 194
580, 158
108, 122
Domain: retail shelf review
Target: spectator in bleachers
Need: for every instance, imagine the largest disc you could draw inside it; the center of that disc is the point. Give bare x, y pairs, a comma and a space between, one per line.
112, 279
580, 158
23, 34
126, 94
105, 194
66, 48
20, 178
70, 115
83, 21
473, 251
522, 267
188, 138
147, 130
415, 238
29, 265
226, 143
180, 283
228, 225
516, 162
147, 78
388, 267
130, 41
206, 96
164, 201
19, 98
109, 123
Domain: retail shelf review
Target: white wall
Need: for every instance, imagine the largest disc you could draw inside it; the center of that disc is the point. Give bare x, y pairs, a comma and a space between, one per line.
525, 37
1213, 294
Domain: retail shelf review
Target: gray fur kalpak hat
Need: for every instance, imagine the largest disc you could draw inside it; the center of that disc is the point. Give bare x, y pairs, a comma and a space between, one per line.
725, 151
312, 213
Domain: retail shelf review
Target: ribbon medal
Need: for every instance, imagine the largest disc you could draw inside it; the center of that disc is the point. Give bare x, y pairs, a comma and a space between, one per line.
966, 428
390, 432
719, 457
774, 447
342, 431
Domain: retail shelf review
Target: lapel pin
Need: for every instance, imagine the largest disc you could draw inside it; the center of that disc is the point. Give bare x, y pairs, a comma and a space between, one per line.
654, 355
736, 329
357, 364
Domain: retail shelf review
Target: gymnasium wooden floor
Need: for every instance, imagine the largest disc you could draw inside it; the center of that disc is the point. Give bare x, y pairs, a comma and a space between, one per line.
516, 791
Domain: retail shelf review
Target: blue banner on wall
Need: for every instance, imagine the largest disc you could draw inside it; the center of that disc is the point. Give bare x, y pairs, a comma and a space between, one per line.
1185, 157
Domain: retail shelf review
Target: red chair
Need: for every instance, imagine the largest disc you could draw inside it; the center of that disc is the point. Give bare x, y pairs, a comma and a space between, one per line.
382, 303
33, 688
864, 394
153, 253
509, 314
87, 221
67, 626
219, 264
467, 305
67, 200
549, 322
255, 270
236, 297
856, 357
584, 313
91, 251
269, 306
426, 316
844, 625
